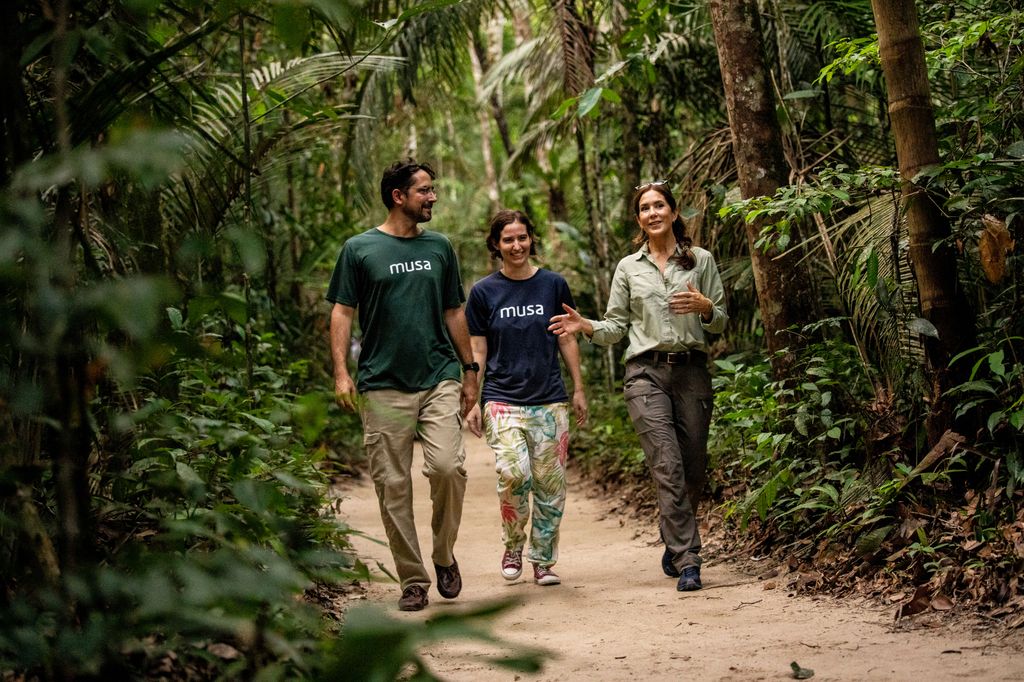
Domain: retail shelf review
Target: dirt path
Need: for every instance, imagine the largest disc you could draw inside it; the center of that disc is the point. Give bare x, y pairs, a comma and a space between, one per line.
617, 617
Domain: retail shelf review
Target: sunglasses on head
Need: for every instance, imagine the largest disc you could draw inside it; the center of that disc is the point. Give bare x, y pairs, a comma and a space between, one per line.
650, 184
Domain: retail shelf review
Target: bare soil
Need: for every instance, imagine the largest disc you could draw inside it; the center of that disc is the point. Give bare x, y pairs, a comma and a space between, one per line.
616, 616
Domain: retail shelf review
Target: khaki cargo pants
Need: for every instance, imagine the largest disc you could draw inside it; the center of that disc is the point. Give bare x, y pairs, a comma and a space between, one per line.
391, 420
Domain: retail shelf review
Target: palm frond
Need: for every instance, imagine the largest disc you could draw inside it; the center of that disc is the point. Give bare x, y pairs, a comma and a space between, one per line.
214, 177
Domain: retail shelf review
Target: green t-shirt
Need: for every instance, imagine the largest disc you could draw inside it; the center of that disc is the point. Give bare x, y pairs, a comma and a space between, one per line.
400, 288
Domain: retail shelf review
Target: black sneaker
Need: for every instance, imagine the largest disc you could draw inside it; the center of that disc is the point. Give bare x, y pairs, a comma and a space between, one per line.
666, 565
689, 580
414, 598
449, 580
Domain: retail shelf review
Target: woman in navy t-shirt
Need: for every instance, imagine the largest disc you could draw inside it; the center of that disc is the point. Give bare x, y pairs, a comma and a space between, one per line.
525, 412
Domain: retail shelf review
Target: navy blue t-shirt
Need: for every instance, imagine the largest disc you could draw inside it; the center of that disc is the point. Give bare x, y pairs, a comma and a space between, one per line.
522, 355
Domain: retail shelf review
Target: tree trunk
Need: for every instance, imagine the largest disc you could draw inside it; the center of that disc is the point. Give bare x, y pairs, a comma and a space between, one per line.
784, 286
476, 50
932, 257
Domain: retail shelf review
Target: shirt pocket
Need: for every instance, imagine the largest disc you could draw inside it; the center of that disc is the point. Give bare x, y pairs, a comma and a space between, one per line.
648, 300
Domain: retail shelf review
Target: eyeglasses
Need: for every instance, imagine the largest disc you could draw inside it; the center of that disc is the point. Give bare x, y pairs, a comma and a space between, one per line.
650, 184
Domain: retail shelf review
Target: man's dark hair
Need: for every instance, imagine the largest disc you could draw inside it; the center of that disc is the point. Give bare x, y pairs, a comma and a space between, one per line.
399, 176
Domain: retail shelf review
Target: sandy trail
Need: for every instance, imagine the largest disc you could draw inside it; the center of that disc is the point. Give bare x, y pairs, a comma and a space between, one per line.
617, 617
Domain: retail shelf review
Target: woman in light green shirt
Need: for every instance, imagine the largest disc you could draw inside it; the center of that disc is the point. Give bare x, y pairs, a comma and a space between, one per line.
665, 298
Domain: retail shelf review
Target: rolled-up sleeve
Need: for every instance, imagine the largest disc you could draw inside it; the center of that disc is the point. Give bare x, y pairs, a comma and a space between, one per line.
711, 286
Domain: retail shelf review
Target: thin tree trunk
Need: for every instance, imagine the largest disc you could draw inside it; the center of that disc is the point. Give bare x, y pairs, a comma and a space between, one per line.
69, 443
484, 120
784, 286
247, 203
932, 257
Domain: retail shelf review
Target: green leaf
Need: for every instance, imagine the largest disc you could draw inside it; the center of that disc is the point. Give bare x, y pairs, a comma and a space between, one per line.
234, 306
415, 11
188, 474
292, 23
800, 422
265, 424
995, 363
563, 108
174, 315
801, 673
994, 419
802, 94
588, 100
871, 541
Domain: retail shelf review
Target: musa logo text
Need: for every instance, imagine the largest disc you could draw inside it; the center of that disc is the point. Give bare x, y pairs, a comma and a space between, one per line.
521, 310
409, 266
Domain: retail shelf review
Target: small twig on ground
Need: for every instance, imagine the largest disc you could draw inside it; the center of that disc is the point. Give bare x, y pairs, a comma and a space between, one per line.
747, 603
735, 584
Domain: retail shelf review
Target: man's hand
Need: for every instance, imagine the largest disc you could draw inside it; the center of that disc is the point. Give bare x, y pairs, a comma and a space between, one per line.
345, 393
470, 392
475, 421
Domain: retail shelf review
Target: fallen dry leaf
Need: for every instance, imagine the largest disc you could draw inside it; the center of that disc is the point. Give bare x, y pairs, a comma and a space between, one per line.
941, 602
994, 244
918, 603
222, 650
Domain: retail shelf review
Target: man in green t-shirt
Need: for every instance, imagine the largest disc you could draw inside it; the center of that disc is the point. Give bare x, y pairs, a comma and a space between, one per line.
404, 282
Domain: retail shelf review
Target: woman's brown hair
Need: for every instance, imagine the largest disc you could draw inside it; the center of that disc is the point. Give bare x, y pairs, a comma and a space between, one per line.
685, 259
507, 217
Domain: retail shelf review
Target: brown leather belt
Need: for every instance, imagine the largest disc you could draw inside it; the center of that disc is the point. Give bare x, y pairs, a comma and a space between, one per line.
686, 357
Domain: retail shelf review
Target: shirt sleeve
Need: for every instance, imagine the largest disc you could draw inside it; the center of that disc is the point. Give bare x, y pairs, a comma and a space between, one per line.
616, 318
476, 312
454, 295
344, 287
711, 286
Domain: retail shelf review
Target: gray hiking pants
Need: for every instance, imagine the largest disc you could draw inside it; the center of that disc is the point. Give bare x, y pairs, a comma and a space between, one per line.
670, 405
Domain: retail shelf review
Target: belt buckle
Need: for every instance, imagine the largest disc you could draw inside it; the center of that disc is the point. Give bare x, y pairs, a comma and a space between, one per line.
677, 357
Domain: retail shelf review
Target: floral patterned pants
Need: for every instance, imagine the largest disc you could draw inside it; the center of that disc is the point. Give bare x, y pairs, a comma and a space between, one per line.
530, 443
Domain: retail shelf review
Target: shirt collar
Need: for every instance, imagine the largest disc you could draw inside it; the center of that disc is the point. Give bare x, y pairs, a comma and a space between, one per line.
645, 251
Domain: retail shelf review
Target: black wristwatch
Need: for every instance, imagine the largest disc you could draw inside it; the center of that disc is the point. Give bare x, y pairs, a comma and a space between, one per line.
471, 367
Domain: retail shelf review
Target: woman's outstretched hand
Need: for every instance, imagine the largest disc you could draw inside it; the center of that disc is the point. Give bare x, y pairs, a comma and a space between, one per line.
569, 323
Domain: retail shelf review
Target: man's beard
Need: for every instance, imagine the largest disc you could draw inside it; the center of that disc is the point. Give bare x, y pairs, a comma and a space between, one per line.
422, 216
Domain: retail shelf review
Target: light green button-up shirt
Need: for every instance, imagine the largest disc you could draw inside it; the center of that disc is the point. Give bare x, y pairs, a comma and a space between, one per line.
638, 304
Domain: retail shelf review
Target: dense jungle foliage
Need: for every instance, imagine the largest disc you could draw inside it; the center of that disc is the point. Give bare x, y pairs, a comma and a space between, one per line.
177, 178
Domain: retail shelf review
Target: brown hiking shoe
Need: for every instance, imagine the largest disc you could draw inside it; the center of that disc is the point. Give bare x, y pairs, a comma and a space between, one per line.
449, 580
414, 598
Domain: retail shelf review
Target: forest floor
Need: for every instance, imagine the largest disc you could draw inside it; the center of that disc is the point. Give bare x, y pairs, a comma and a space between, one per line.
616, 616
